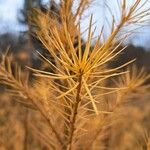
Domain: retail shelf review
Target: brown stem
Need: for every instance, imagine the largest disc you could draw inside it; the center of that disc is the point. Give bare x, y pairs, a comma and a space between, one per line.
74, 114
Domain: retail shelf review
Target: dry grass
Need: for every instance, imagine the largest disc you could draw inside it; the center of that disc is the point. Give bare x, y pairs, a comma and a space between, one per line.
77, 103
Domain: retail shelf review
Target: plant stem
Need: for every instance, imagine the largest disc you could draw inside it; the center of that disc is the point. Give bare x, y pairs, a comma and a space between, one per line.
74, 114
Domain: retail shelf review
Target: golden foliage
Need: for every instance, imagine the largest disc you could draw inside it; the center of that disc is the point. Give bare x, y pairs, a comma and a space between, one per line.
75, 97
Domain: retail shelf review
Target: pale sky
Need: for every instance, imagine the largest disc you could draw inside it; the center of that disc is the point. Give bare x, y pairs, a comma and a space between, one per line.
9, 23
8, 13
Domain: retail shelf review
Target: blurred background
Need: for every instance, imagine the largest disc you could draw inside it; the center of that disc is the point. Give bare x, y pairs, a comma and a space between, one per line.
14, 26
13, 17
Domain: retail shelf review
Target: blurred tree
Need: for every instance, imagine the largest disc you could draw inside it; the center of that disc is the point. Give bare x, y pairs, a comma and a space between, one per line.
8, 39
28, 5
23, 18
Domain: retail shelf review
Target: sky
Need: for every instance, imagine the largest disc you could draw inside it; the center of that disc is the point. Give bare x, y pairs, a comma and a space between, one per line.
8, 13
9, 10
